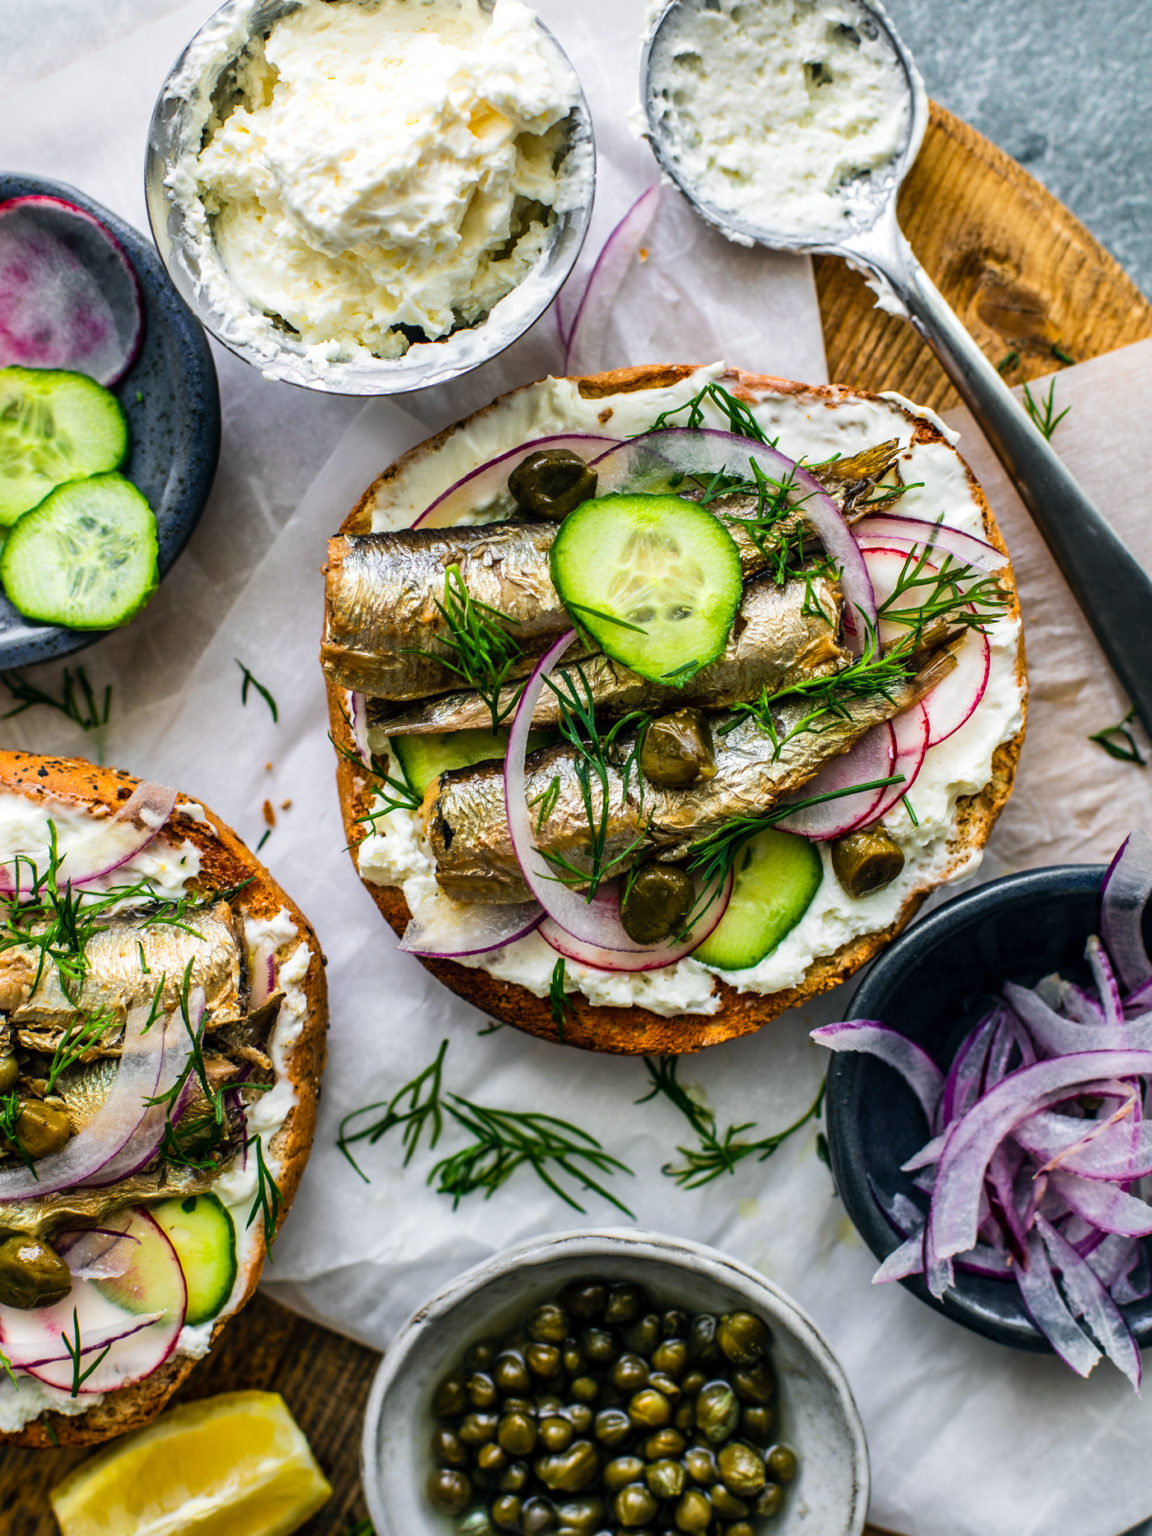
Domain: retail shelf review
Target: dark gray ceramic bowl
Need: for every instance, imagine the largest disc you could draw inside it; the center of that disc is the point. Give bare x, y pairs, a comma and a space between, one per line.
173, 407
932, 985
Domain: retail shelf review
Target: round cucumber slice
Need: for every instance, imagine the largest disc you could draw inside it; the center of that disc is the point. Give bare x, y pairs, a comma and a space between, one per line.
201, 1230
54, 427
655, 580
85, 557
777, 875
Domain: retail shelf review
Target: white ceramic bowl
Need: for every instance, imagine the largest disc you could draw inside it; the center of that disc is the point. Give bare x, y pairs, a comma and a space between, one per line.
204, 68
816, 1412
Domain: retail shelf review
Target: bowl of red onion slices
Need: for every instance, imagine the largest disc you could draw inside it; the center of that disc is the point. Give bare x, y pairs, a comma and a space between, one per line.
986, 1110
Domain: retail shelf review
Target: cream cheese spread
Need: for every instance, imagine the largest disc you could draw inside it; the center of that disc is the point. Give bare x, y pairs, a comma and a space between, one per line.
779, 113
383, 171
806, 426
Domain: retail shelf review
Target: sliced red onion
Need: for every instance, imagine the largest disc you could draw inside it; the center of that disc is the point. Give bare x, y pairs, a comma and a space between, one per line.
107, 843
904, 1261
910, 733
1108, 1150
966, 1073
1058, 1036
1105, 979
871, 759
1123, 898
915, 1066
646, 462
912, 534
583, 351
449, 930
358, 726
96, 1253
1135, 1283
263, 977
652, 957
1089, 1300
1049, 1311
1105, 1206
481, 486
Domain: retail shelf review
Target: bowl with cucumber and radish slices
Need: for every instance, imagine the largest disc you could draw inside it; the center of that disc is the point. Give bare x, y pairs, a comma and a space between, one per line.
662, 698
109, 421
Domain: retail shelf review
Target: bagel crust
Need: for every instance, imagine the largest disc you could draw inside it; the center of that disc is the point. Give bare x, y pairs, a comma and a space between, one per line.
636, 1030
225, 862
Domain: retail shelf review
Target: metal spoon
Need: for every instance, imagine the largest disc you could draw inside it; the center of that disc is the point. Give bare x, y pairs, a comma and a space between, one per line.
1110, 585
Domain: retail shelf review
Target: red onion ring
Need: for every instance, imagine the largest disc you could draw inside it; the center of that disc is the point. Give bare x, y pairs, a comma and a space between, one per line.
485, 483
653, 957
449, 930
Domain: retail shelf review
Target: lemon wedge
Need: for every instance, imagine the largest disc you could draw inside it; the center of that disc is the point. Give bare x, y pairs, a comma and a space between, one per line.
236, 1465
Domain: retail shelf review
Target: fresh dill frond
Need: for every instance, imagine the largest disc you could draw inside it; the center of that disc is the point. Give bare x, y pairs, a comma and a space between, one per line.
547, 801
912, 816
252, 682
1045, 414
269, 1201
608, 618
77, 698
737, 414
10, 1112
557, 999
417, 1107
74, 1042
75, 1350
1010, 360
1119, 742
483, 652
1060, 352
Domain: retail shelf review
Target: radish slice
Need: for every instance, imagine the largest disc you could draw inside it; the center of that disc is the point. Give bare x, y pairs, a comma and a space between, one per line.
480, 487
653, 957
150, 1297
68, 295
584, 343
646, 462
889, 528
447, 930
873, 757
910, 734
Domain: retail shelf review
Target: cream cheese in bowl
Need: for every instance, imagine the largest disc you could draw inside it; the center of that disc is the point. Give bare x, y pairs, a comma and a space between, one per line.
349, 184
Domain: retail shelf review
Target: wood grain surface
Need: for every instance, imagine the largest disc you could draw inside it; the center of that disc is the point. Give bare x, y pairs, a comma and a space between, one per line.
1036, 290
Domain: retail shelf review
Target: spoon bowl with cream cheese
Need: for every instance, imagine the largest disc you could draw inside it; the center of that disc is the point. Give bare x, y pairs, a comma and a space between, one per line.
791, 124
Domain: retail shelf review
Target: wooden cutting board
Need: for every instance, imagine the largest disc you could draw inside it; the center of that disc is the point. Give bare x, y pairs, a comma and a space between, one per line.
1038, 292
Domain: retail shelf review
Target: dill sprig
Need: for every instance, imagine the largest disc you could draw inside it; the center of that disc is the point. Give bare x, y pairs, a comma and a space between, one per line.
397, 794
194, 1065
715, 1154
952, 593
269, 1201
77, 699
416, 1107
1044, 414
1119, 742
76, 1040
252, 682
75, 1350
10, 1111
556, 996
736, 413
6, 1367
484, 652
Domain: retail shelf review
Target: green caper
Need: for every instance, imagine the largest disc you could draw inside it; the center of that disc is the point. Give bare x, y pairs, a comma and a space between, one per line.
866, 861
770, 1500
782, 1463
740, 1528
694, 1511
537, 1517
585, 1389
598, 1346
756, 1383
491, 1458
665, 1479
726, 1504
655, 902
630, 1373
448, 1450
665, 1384
549, 1407
477, 1428
717, 1412
670, 1358
756, 1423
664, 1443
555, 1434
9, 1072
581, 1514
450, 1399
482, 1390
482, 1356
543, 1360
510, 1373
700, 1463
634, 1505
626, 1303
677, 750
41, 1129
580, 1416
552, 482
693, 1381
571, 1471
32, 1274
571, 1358
514, 1478
548, 1325
505, 1512
643, 1336
649, 1409
612, 1427
622, 1471
449, 1491
685, 1416
674, 1324
702, 1346
585, 1300
741, 1468
475, 1523
743, 1338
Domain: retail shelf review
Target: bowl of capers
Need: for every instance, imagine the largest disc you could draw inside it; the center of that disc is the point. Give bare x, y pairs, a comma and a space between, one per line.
612, 1383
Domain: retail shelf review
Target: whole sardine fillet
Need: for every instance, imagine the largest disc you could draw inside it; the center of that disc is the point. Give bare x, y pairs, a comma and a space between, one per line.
466, 825
126, 961
781, 635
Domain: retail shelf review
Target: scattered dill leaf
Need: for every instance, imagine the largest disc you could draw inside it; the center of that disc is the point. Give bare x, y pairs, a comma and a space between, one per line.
912, 816
1045, 414
1009, 361
556, 998
75, 1351
490, 1028
1061, 353
50, 1431
738, 415
264, 836
252, 682
416, 1107
77, 698
1119, 742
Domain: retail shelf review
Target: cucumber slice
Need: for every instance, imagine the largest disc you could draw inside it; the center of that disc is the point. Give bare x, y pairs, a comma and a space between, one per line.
655, 580
204, 1237
425, 757
54, 427
85, 557
777, 876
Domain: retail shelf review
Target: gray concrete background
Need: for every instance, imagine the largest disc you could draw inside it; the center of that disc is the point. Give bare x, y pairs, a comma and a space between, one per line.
1065, 86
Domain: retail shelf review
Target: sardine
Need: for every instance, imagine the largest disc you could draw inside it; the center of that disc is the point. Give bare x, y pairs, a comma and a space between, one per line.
466, 825
126, 961
80, 1207
781, 635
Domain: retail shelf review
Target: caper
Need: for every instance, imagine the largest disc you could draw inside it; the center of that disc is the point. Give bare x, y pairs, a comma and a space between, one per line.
32, 1274
866, 861
572, 1471
510, 1373
756, 1383
674, 1324
630, 1373
475, 1523
481, 1356
482, 1390
585, 1389
743, 1338
478, 1428
519, 1405
740, 1528
514, 1478
9, 1072
664, 1443
670, 1357
649, 1409
624, 1470
665, 1384
41, 1129
580, 1416
625, 1304
693, 1381
782, 1463
717, 1412
665, 1479
450, 1399
702, 1345
505, 1512
548, 1325
491, 1458
598, 1346
694, 1511
585, 1300
634, 1505
612, 1427
581, 1514
756, 1423
556, 1434
741, 1468
700, 1463
726, 1504
552, 482
543, 1360
677, 750
655, 902
643, 1336
571, 1358
449, 1491
537, 1517
448, 1449
549, 1407
770, 1500
685, 1416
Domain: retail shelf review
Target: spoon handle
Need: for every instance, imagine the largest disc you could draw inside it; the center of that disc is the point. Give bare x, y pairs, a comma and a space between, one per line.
1111, 586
